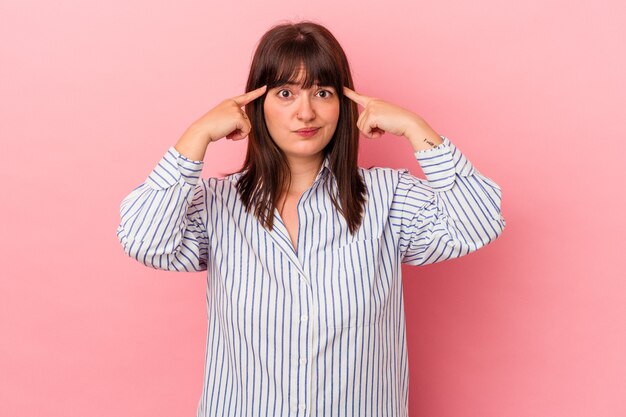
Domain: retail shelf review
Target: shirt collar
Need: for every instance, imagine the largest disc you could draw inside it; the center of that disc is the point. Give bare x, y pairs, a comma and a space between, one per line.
325, 168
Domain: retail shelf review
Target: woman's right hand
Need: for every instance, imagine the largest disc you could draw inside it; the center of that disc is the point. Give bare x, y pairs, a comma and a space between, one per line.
228, 119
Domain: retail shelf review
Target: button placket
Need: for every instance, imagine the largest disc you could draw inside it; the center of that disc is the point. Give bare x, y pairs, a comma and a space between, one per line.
301, 358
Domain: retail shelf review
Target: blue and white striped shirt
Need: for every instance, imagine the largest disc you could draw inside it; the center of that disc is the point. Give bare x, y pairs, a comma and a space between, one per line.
317, 331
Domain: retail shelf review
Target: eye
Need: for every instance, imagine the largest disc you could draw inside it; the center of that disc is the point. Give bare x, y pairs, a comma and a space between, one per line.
281, 95
328, 93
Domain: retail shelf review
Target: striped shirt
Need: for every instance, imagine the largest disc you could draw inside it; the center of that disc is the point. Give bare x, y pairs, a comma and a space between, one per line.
318, 330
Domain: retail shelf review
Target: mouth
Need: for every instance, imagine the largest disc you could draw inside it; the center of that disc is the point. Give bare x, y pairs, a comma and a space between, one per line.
307, 132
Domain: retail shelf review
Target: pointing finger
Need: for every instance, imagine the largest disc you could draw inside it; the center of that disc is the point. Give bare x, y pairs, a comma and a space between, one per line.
354, 96
246, 98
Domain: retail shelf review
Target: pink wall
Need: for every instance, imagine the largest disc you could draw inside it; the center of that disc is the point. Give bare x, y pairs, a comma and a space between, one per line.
532, 92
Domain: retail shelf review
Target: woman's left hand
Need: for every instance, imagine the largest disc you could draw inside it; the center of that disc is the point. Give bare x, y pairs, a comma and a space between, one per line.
379, 117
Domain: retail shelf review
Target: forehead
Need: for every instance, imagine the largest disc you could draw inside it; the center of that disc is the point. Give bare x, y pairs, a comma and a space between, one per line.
299, 78
289, 73
298, 82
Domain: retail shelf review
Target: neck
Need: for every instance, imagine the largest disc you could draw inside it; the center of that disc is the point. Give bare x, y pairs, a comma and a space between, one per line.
303, 172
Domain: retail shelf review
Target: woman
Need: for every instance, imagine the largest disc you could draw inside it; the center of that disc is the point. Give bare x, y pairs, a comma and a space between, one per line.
304, 248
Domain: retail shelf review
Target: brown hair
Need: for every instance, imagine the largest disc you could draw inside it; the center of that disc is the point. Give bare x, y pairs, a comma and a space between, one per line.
281, 52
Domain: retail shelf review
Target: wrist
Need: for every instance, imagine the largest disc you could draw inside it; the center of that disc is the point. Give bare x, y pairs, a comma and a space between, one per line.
422, 136
193, 144
199, 133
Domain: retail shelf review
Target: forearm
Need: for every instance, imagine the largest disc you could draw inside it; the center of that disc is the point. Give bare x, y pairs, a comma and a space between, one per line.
193, 144
422, 136
162, 222
459, 209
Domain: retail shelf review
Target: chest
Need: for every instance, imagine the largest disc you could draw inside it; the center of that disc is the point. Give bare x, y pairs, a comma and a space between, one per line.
289, 216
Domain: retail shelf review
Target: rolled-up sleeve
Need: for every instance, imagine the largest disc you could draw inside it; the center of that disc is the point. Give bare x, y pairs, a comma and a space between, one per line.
163, 220
455, 211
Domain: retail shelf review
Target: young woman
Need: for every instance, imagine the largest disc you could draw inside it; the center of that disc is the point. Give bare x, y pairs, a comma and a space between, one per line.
302, 247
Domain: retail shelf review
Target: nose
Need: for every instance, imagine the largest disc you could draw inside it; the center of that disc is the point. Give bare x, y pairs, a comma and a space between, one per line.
305, 110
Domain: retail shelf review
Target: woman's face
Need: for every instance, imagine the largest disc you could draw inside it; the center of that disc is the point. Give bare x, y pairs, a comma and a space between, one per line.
289, 108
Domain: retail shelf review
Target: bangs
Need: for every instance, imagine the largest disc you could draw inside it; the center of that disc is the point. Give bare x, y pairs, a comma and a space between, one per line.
319, 67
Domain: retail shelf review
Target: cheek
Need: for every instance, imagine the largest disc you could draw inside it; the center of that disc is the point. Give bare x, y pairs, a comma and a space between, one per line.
267, 111
273, 114
333, 113
334, 108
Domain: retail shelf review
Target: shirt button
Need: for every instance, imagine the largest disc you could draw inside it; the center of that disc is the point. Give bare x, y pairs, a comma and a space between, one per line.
304, 317
302, 407
303, 361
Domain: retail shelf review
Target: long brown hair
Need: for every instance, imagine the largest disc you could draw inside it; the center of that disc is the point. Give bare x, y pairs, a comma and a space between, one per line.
281, 52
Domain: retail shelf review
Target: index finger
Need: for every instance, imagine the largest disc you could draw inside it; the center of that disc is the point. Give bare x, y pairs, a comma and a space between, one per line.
356, 97
246, 98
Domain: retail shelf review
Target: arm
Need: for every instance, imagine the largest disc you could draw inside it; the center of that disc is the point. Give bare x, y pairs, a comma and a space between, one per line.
163, 220
455, 211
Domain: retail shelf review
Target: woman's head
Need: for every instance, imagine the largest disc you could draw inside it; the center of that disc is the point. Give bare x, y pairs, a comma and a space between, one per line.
290, 107
305, 70
308, 55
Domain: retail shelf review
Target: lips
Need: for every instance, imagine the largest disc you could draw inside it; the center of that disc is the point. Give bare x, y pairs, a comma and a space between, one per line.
308, 129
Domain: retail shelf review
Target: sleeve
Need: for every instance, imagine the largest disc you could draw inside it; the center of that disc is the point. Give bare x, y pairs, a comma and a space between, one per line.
163, 220
455, 211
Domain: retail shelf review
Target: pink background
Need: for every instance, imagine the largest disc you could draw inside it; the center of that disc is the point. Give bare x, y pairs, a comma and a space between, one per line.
533, 92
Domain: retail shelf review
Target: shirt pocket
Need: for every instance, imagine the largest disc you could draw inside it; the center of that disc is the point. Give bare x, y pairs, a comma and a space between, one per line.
357, 289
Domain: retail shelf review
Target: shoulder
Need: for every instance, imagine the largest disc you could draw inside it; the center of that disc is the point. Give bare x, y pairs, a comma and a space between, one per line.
377, 174
380, 180
216, 187
224, 181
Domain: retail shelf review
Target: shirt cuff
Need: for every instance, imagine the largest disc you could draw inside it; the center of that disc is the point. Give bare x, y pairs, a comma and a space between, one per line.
174, 168
442, 163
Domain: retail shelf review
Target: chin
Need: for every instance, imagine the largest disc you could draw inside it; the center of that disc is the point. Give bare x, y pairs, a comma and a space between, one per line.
305, 151
311, 145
